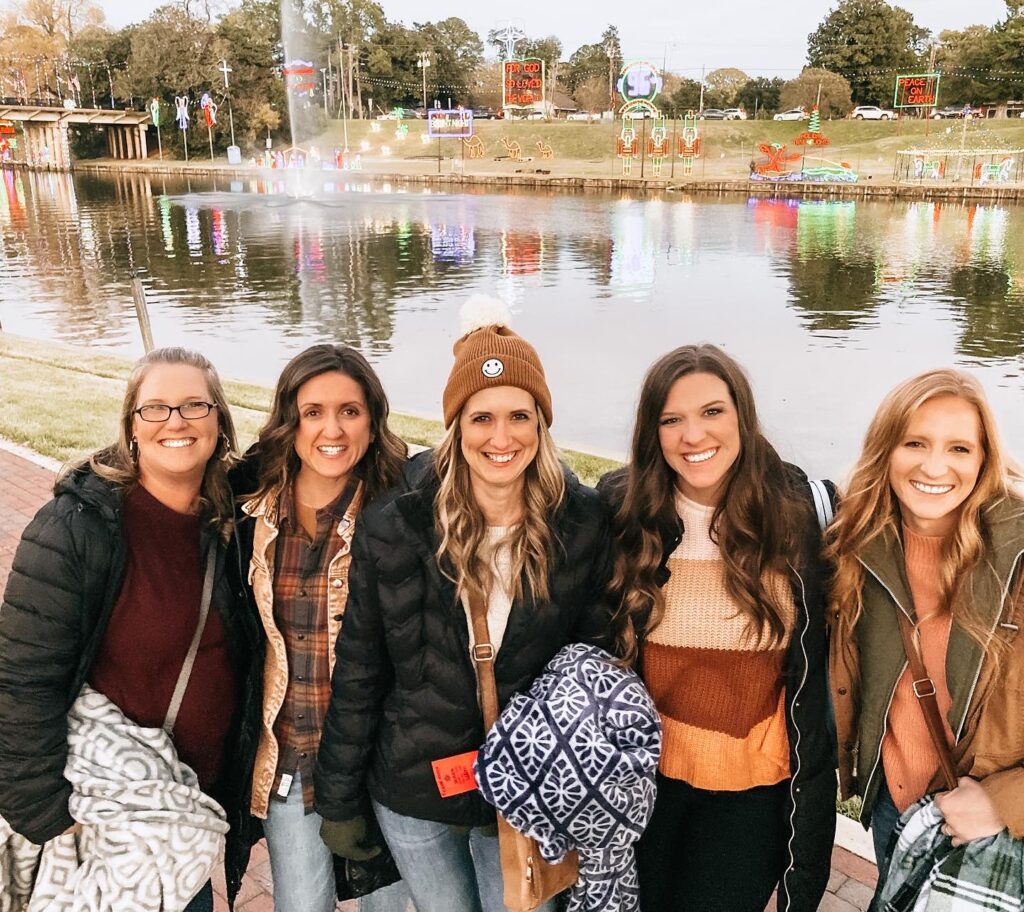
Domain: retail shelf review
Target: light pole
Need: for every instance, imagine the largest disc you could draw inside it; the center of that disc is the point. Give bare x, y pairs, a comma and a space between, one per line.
423, 63
225, 69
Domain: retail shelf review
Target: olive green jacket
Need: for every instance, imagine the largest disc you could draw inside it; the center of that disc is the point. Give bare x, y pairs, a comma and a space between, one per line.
987, 716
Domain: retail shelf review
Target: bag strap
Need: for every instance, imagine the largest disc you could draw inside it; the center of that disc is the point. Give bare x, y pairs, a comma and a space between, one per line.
822, 502
924, 690
193, 649
482, 655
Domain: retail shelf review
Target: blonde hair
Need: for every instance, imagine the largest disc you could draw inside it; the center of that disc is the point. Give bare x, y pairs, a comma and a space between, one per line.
869, 508
117, 465
465, 553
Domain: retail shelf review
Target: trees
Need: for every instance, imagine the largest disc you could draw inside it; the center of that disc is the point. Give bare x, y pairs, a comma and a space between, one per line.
760, 94
868, 42
835, 92
592, 95
722, 86
457, 52
603, 58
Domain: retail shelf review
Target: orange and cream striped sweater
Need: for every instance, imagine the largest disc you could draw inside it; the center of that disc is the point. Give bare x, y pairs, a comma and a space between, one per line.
720, 695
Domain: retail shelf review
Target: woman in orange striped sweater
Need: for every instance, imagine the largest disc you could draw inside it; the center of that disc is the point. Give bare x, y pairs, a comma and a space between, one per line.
931, 526
720, 583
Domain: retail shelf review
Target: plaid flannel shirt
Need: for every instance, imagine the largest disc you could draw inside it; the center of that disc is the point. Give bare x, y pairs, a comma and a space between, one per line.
928, 874
300, 611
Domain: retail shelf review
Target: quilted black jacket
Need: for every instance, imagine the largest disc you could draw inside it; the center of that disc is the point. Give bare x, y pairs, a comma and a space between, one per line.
66, 577
404, 689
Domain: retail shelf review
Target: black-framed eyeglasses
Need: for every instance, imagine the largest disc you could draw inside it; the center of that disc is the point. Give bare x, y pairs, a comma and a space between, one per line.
190, 411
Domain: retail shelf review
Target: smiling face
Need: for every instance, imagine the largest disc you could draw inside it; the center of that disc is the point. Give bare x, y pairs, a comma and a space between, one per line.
936, 464
174, 452
334, 429
500, 436
699, 434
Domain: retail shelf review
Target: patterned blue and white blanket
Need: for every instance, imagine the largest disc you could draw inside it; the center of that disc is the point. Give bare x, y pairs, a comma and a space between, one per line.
572, 764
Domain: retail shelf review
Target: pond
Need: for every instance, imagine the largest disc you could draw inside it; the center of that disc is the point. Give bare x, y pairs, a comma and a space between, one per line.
827, 303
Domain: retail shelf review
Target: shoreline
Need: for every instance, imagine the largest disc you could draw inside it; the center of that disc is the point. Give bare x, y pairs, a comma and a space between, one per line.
544, 178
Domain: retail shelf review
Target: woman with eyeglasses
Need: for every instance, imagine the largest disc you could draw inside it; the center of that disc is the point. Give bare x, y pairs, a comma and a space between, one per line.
126, 599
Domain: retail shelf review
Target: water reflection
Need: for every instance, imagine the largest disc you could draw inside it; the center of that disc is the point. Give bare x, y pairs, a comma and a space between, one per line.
253, 270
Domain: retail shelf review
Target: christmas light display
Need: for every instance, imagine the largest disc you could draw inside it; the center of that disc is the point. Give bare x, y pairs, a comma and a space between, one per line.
813, 135
513, 149
688, 142
627, 146
209, 109
523, 83
474, 147
181, 114
639, 80
917, 90
450, 124
154, 114
776, 163
545, 150
658, 145
995, 172
300, 77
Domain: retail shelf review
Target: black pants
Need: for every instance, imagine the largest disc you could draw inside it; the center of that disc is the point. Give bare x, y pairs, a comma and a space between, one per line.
712, 851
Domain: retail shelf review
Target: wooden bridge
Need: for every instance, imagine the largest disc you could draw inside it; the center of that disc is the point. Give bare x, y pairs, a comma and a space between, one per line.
45, 132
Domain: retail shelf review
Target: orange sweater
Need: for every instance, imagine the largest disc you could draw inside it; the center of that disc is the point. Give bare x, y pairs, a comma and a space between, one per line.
719, 695
908, 755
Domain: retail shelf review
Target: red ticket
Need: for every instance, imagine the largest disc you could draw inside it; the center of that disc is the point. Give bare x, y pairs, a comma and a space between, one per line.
454, 775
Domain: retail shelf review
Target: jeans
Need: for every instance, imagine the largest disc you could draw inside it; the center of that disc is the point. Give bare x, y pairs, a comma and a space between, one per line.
884, 818
708, 851
202, 901
446, 869
302, 866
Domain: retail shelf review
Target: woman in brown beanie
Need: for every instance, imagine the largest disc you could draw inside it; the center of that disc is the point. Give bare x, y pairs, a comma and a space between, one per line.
492, 516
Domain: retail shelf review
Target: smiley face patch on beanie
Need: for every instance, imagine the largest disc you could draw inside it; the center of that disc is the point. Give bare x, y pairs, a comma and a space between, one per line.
492, 368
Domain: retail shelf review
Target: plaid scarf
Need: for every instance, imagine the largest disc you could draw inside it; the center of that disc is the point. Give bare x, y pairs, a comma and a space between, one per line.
571, 763
928, 874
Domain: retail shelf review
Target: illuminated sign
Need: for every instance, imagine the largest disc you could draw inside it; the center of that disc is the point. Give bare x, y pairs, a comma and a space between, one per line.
918, 90
523, 83
640, 81
299, 76
442, 124
6, 127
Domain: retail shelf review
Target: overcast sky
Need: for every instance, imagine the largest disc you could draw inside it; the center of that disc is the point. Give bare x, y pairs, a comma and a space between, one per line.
758, 37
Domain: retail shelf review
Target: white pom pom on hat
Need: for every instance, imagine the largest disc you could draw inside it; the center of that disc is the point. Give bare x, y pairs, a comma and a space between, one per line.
491, 354
482, 310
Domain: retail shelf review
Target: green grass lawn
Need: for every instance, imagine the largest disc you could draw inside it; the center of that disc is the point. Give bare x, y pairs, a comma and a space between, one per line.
64, 402
728, 145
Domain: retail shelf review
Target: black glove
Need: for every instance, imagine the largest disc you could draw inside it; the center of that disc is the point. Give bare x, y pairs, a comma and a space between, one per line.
348, 839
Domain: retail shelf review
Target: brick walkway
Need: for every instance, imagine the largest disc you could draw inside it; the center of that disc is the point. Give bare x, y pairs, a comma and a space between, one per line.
25, 486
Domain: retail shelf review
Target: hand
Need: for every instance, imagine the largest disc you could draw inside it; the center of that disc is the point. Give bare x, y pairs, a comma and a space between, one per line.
347, 838
969, 812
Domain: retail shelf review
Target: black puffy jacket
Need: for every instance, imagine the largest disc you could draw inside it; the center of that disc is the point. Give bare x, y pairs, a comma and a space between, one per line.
810, 811
404, 689
66, 577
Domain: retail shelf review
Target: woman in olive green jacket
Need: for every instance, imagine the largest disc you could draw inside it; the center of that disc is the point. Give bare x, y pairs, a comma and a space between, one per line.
930, 526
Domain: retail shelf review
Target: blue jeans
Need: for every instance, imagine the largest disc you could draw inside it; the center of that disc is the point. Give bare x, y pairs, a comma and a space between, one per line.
884, 818
446, 870
302, 866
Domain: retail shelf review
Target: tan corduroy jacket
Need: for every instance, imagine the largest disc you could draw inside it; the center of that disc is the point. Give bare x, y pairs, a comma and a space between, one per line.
275, 666
987, 715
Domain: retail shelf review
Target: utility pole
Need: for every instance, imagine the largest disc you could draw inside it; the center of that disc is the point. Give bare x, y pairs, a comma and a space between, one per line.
423, 63
609, 49
701, 107
225, 69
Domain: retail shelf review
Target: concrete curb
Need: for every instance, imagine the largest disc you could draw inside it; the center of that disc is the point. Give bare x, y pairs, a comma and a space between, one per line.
32, 456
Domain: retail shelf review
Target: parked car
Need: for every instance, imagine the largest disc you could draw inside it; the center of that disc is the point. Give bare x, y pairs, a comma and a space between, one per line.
735, 114
712, 114
791, 114
582, 115
486, 114
872, 112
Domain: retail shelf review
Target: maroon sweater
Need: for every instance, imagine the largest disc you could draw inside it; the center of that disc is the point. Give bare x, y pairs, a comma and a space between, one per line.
151, 626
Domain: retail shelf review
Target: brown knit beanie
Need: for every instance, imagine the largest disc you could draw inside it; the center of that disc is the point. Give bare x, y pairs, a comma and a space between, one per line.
492, 355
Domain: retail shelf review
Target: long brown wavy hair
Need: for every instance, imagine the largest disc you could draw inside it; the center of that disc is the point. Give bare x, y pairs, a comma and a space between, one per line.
465, 553
757, 522
868, 507
279, 464
116, 464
